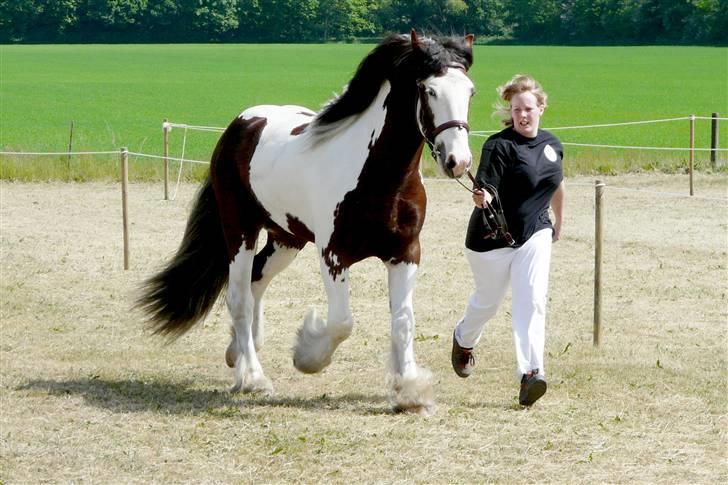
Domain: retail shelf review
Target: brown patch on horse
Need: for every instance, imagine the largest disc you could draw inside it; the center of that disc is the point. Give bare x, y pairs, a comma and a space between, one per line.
298, 228
241, 213
299, 129
384, 214
276, 235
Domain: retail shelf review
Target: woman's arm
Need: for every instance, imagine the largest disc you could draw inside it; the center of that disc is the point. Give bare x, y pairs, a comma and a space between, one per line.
491, 168
557, 204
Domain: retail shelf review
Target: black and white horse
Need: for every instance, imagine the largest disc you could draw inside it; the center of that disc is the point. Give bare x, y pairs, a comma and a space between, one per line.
346, 179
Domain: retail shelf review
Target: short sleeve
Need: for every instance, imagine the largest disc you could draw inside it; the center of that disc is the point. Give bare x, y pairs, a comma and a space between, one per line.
492, 163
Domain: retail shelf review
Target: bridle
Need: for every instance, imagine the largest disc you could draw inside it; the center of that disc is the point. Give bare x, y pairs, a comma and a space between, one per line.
493, 217
430, 134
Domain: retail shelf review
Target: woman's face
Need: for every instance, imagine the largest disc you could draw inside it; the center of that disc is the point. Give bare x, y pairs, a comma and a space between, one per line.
526, 114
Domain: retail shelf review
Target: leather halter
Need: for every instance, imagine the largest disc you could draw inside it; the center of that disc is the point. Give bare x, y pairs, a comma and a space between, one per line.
430, 136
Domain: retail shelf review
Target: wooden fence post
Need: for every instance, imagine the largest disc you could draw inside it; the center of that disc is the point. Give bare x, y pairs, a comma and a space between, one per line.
124, 202
692, 151
70, 149
598, 246
714, 142
166, 129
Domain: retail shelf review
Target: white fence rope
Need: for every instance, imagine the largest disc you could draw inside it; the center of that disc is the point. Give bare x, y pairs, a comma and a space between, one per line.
35, 154
160, 157
186, 127
193, 127
626, 123
483, 133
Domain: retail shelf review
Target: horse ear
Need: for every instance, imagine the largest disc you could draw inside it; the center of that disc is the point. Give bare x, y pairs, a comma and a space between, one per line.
469, 39
415, 40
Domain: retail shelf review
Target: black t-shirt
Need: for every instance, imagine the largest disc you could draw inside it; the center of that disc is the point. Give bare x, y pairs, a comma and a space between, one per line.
526, 172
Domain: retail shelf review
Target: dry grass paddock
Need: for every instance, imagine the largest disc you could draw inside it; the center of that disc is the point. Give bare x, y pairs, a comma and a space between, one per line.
89, 396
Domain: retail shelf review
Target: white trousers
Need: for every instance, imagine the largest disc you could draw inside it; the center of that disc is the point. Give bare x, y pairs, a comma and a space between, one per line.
527, 270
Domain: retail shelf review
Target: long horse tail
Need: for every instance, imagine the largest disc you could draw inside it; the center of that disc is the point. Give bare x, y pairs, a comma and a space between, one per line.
186, 289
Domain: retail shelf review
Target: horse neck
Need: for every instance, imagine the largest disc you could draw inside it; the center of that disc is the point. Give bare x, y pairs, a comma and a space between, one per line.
395, 155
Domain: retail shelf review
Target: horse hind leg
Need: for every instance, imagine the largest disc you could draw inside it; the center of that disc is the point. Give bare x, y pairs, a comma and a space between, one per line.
275, 256
317, 340
248, 372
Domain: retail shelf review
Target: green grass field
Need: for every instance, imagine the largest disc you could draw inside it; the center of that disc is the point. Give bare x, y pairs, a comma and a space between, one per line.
118, 95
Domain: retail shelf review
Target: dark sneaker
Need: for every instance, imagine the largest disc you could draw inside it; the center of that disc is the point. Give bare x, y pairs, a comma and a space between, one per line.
533, 386
462, 359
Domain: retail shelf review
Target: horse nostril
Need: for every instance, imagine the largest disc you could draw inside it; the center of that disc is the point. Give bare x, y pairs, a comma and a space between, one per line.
451, 163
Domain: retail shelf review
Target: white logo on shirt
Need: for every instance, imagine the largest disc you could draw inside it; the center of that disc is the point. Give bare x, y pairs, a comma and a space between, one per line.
550, 153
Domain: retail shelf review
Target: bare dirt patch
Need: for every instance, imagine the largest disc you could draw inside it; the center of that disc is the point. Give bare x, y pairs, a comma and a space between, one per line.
88, 395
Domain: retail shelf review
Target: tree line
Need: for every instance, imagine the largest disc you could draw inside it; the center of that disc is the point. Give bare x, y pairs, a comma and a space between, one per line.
516, 21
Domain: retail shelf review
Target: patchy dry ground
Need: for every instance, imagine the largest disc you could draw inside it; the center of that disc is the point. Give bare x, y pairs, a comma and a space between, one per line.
87, 395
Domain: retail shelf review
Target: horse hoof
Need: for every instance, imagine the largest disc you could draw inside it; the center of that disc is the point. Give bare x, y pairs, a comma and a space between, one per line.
413, 394
260, 386
421, 410
308, 365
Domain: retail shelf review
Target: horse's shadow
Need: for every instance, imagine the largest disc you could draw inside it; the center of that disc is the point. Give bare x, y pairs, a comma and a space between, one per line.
136, 395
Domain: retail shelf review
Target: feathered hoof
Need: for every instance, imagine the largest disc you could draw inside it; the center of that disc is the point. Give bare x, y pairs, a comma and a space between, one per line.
260, 385
314, 348
307, 363
412, 395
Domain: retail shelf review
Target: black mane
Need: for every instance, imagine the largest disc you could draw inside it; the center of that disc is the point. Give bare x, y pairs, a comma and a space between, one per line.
397, 60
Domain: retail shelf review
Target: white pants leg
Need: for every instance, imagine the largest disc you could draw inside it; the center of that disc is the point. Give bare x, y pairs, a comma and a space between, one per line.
491, 272
527, 269
529, 282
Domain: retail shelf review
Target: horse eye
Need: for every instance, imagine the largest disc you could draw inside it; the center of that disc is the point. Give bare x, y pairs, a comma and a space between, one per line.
431, 92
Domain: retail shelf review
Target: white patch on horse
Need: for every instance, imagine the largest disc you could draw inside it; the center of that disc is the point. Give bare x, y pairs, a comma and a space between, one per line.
324, 173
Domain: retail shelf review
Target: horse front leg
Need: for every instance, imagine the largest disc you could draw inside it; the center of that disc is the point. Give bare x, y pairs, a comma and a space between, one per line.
410, 385
317, 340
241, 353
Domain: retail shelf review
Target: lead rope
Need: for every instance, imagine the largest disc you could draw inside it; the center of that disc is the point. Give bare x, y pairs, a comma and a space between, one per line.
494, 219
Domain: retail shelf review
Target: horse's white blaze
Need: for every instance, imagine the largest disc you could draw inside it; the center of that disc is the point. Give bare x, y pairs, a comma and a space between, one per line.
309, 183
451, 102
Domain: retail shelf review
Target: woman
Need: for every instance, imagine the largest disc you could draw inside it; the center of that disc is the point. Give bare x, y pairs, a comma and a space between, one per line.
523, 166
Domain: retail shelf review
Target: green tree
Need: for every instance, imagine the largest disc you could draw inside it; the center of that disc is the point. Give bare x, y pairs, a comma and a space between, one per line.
344, 19
277, 20
537, 21
36, 20
214, 20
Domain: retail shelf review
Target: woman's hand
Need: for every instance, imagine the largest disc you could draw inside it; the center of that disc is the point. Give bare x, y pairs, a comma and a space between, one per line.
482, 197
557, 230
557, 204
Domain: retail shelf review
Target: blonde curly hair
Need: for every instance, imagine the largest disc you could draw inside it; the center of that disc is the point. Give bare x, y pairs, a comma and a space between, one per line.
520, 83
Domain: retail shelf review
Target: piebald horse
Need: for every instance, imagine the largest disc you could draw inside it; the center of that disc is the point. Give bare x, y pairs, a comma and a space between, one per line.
346, 179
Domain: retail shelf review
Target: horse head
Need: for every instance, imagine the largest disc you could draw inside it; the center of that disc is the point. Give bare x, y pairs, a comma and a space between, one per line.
443, 104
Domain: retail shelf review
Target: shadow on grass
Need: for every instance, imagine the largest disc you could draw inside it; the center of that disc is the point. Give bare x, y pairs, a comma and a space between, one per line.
134, 395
